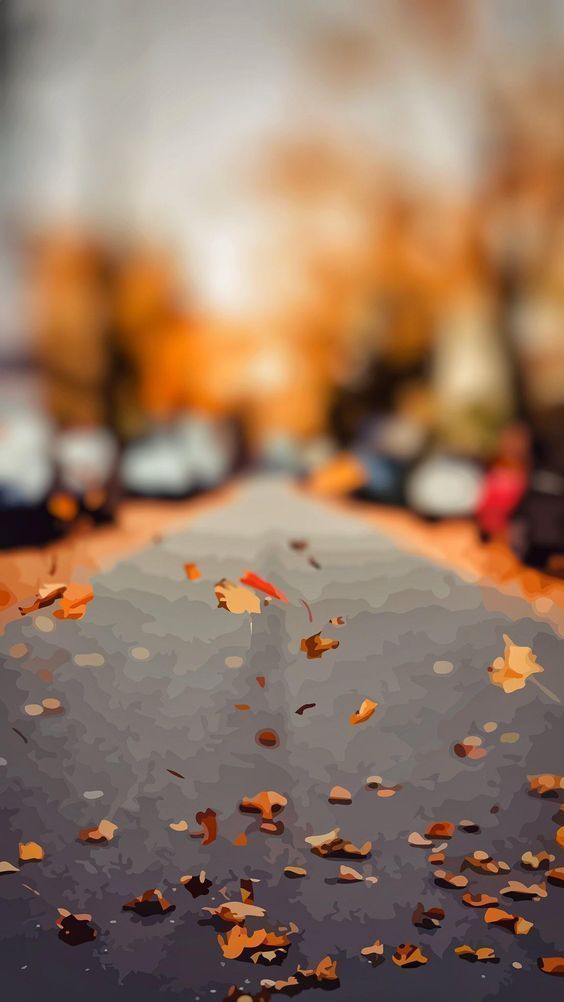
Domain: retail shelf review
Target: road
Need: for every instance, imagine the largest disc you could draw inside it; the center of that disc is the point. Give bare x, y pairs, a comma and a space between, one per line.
159, 696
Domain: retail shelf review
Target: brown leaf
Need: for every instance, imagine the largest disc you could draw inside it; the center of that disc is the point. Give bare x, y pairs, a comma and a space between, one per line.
305, 706
316, 645
430, 918
455, 880
364, 712
546, 783
324, 976
537, 860
440, 829
31, 851
511, 671
516, 924
236, 912
340, 795
236, 598
408, 955
151, 902
484, 954
238, 943
192, 572
337, 621
521, 892
103, 832
374, 952
6, 867
261, 680
208, 820
436, 858
330, 845
198, 885
556, 876
46, 595
552, 965
418, 840
348, 875
294, 872
75, 929
478, 900
267, 803
482, 862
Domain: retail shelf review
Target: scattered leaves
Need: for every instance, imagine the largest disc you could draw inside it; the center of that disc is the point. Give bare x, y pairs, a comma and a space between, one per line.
482, 862
330, 845
556, 876
537, 860
440, 829
46, 595
324, 976
478, 900
484, 954
454, 880
236, 912
74, 602
259, 946
103, 832
546, 783
267, 803
208, 820
521, 892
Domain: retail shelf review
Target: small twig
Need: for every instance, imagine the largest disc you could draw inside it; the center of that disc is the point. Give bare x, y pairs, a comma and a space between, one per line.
22, 736
308, 610
548, 692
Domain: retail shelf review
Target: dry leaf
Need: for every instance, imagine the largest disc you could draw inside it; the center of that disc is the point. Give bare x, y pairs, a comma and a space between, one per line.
6, 867
375, 953
295, 871
537, 860
521, 892
546, 783
236, 912
179, 826
208, 820
192, 571
238, 943
324, 975
151, 902
556, 876
305, 706
445, 879
75, 929
104, 832
267, 803
235, 598
515, 923
440, 829
46, 595
484, 954
348, 875
552, 965
30, 851
364, 712
408, 955
478, 900
511, 671
316, 645
330, 845
418, 840
482, 862
198, 885
430, 918
340, 795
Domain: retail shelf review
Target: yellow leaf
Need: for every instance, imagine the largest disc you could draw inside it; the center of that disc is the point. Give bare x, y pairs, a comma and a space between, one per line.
511, 671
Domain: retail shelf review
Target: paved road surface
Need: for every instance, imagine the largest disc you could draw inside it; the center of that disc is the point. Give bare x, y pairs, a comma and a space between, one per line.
128, 721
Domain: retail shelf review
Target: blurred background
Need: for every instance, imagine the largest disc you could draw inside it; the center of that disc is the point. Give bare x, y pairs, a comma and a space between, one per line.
320, 238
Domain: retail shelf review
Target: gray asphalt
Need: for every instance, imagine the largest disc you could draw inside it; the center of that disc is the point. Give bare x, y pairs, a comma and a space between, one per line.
127, 721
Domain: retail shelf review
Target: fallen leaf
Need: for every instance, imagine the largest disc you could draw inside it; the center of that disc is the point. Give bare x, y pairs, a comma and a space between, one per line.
208, 820
482, 862
478, 900
6, 867
521, 892
240, 839
294, 872
267, 739
46, 595
408, 955
316, 645
445, 879
238, 943
331, 845
511, 671
537, 860
75, 929
253, 581
436, 858
31, 851
242, 706
374, 952
179, 826
515, 923
387, 791
552, 965
440, 829
364, 712
235, 598
556, 876
261, 680
430, 918
74, 601
151, 902
468, 826
192, 572
305, 706
267, 803
237, 995
546, 783
103, 832
324, 976
484, 954
348, 875
337, 621
340, 795
418, 840
198, 885
236, 912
